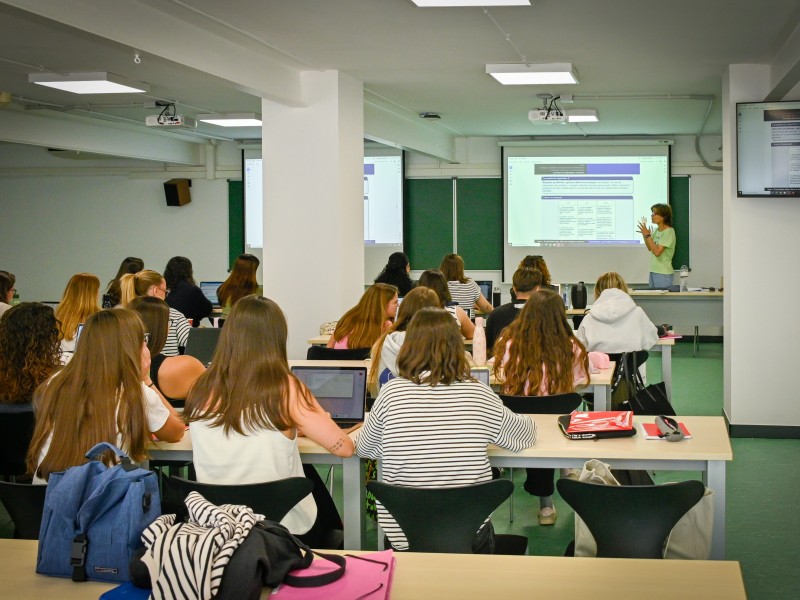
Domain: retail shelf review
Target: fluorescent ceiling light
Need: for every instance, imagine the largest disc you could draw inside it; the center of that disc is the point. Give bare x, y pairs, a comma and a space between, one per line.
542, 74
89, 83
449, 3
232, 119
582, 115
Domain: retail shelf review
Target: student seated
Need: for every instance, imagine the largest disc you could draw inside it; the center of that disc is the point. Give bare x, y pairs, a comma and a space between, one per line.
113, 294
174, 376
362, 325
247, 410
537, 355
435, 279
77, 304
615, 324
430, 426
524, 283
184, 295
396, 273
384, 352
104, 394
240, 283
150, 283
463, 289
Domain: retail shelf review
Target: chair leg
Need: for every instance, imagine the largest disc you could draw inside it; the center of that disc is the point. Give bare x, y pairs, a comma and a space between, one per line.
511, 498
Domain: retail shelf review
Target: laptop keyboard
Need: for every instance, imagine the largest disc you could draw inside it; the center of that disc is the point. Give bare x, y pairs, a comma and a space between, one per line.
347, 424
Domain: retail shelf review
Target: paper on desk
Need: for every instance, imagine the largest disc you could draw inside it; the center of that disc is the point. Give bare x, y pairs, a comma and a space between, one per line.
365, 576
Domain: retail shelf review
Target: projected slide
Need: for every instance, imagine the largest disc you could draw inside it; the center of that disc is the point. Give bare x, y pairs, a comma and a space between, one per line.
582, 200
253, 203
383, 200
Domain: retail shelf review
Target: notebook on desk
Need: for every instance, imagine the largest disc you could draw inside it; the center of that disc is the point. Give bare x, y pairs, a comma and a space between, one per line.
341, 391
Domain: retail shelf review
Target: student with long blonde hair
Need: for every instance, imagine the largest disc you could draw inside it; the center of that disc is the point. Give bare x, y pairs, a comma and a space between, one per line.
384, 351
240, 283
150, 283
362, 325
430, 426
247, 410
78, 303
104, 394
537, 355
174, 376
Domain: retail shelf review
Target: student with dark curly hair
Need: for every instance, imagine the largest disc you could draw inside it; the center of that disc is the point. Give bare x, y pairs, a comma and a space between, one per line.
396, 273
29, 351
184, 294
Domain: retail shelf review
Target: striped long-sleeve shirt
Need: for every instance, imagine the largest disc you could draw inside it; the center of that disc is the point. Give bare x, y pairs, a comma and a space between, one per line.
436, 436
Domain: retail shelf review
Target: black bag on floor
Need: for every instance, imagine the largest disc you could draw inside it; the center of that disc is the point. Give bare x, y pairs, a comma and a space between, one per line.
640, 398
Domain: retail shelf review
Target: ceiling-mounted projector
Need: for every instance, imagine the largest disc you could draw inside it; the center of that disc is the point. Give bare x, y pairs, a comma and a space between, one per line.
543, 115
173, 121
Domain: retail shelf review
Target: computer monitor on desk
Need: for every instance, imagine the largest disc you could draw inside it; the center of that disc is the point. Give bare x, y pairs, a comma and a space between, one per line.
209, 289
486, 289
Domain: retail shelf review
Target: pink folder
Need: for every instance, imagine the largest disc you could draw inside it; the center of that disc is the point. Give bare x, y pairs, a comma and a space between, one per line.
366, 575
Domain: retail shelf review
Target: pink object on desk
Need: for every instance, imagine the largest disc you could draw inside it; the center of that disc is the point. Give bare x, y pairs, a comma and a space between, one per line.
598, 361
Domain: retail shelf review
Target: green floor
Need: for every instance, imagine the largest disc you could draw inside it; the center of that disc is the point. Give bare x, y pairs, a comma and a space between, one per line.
762, 523
763, 527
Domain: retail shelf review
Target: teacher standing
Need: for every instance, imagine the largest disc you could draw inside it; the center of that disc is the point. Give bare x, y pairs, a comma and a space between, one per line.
660, 242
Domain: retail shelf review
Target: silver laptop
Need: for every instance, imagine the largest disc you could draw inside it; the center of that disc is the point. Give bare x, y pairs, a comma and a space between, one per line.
209, 289
481, 374
341, 391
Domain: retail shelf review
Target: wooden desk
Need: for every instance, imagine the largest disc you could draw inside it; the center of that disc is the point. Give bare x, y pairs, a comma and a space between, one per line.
322, 340
707, 451
465, 576
687, 308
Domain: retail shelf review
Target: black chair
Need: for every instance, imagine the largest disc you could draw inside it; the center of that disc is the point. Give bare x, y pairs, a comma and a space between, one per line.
631, 521
202, 342
25, 505
557, 404
273, 499
16, 430
446, 519
323, 353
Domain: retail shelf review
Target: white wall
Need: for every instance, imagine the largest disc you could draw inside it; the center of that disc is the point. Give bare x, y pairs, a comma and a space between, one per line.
55, 225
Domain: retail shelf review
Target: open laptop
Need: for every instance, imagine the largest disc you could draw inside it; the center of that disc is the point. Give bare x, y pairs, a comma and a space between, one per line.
201, 343
341, 391
486, 289
481, 374
209, 289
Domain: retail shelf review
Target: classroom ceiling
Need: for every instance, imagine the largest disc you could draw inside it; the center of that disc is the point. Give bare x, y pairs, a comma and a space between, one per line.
647, 67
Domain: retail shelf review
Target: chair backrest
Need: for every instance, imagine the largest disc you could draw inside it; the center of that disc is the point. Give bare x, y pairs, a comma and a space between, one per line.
641, 358
441, 519
323, 353
16, 430
630, 521
202, 342
273, 499
557, 404
25, 505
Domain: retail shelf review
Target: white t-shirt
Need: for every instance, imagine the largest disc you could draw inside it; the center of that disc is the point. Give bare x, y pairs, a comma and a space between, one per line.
156, 414
260, 456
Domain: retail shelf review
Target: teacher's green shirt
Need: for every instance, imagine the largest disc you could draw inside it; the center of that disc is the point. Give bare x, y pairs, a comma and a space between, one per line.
663, 263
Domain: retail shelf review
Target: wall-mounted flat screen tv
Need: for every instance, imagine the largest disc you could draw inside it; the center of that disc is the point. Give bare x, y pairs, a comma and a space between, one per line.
768, 149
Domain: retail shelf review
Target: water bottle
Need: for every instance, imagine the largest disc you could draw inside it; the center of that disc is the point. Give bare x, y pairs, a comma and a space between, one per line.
565, 295
496, 301
684, 277
479, 343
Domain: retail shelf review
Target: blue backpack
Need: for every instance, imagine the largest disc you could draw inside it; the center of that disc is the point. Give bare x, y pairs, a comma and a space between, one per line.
94, 516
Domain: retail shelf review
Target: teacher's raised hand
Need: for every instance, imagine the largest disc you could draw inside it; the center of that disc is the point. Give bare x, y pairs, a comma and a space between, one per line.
643, 228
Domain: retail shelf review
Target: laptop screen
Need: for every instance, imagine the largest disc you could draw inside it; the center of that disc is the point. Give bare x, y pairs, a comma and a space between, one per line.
486, 289
481, 374
341, 391
209, 289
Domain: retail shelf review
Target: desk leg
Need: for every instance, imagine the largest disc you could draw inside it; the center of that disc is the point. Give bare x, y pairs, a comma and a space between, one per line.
666, 369
714, 478
696, 343
353, 498
601, 397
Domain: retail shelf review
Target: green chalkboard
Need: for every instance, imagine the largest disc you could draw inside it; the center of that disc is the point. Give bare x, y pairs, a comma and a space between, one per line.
679, 191
480, 223
235, 220
428, 221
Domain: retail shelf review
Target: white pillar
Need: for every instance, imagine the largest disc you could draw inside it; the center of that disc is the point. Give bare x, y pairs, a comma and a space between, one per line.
313, 260
761, 281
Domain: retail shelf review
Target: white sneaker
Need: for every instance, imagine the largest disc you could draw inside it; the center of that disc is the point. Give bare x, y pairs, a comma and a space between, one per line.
547, 515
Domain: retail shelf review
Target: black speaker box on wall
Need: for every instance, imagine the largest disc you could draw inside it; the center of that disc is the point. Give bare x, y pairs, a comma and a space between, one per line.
177, 192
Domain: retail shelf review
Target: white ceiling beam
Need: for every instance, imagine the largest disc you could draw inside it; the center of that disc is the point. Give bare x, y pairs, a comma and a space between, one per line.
69, 132
165, 30
785, 68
